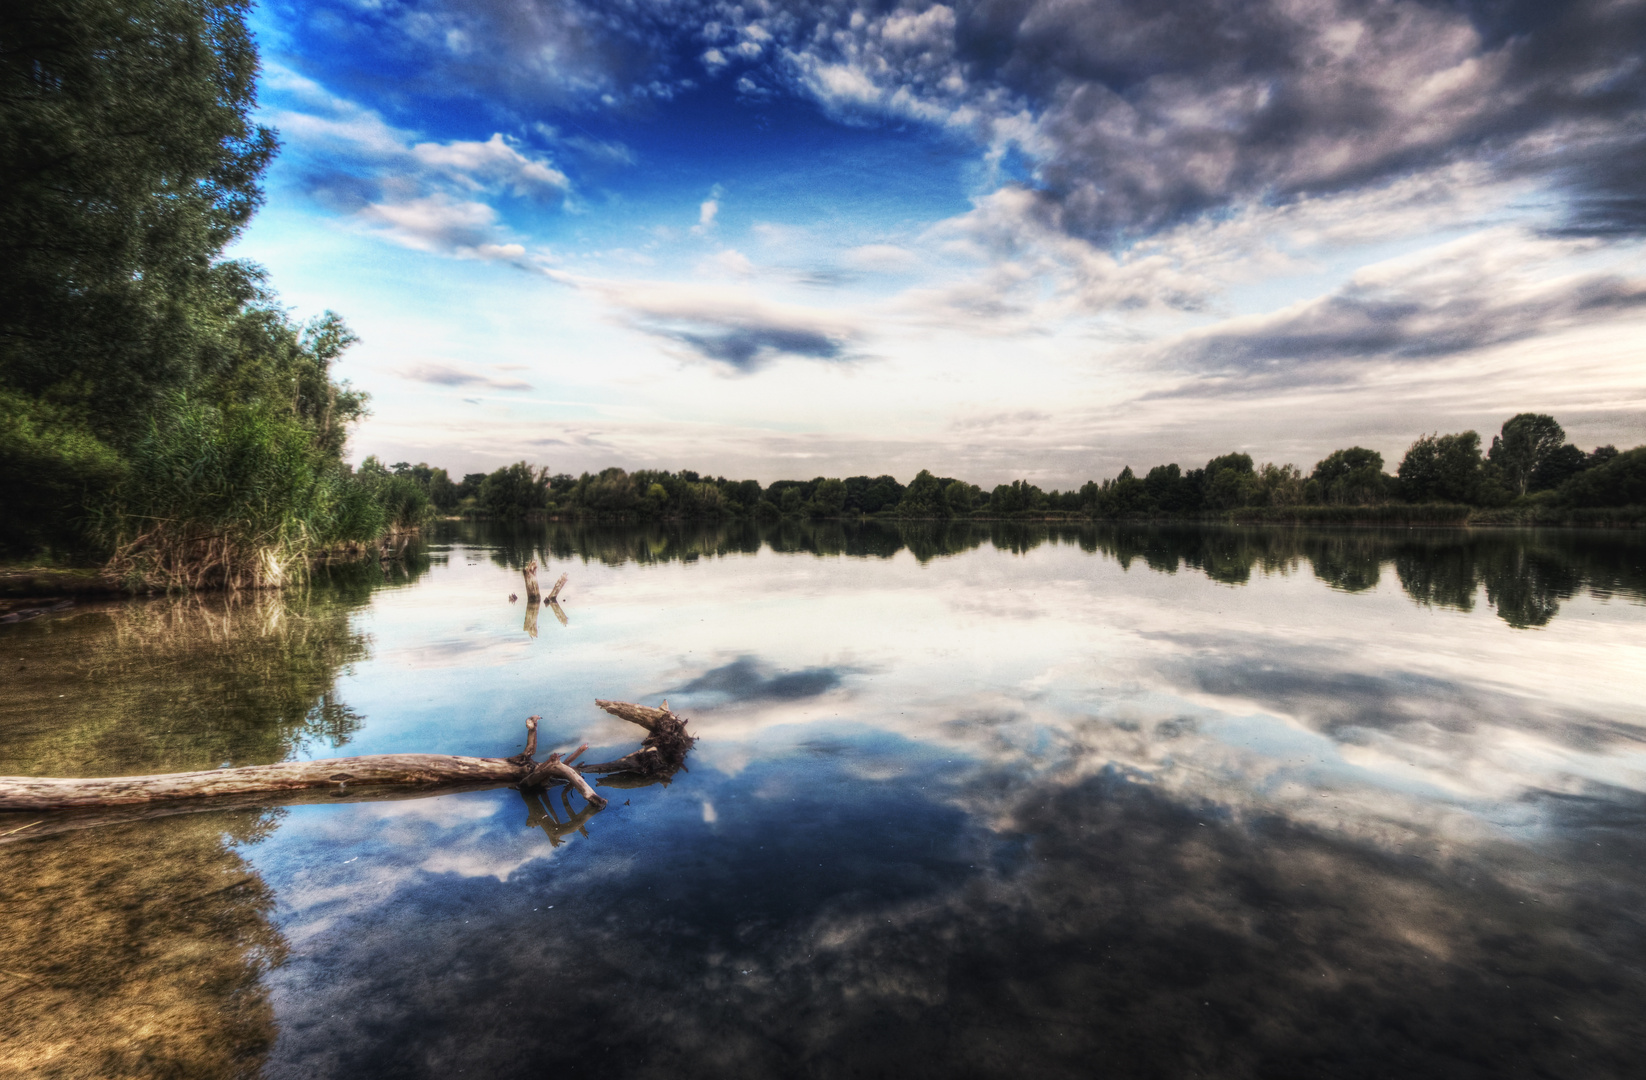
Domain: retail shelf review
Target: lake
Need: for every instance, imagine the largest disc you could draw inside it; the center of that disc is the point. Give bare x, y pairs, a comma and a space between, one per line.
975, 800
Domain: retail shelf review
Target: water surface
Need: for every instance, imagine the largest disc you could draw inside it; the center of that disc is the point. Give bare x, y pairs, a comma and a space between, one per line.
968, 801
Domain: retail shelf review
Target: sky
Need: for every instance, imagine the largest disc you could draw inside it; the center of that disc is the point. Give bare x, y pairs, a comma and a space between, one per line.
1037, 239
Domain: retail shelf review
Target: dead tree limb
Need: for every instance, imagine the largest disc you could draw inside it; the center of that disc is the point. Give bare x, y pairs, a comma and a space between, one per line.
340, 775
530, 574
554, 593
661, 754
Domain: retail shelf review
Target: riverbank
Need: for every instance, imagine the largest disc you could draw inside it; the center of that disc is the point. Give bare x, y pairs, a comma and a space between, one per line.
30, 588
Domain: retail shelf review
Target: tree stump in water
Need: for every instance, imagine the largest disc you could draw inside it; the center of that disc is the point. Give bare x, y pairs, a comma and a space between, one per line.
530, 574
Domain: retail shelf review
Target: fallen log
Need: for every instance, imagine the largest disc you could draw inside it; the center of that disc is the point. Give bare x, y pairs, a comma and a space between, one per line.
345, 774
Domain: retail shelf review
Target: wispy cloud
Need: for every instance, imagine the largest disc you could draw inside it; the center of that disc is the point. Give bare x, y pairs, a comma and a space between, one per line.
438, 374
432, 196
1484, 290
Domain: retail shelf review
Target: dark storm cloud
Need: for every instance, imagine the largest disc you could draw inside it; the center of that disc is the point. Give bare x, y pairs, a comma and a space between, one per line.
1366, 321
1136, 114
1139, 114
1156, 112
744, 336
749, 347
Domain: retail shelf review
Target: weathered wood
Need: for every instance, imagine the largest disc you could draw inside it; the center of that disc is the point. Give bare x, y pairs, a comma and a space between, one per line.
530, 574
554, 593
644, 715
661, 754
341, 774
50, 793
61, 821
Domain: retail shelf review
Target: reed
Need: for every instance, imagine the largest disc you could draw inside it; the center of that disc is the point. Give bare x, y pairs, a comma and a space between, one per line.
239, 496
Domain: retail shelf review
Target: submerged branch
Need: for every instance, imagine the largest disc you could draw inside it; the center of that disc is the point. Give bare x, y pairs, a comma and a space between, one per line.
662, 753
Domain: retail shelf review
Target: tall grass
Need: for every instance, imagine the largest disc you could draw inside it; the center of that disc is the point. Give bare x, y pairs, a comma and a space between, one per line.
239, 497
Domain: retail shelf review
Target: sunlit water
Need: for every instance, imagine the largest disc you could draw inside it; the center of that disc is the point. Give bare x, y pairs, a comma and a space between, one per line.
966, 802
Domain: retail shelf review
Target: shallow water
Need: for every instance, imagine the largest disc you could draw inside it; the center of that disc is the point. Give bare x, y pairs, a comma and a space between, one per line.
974, 801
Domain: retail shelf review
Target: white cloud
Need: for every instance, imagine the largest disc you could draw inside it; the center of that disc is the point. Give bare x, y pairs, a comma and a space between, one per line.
430, 196
495, 162
730, 262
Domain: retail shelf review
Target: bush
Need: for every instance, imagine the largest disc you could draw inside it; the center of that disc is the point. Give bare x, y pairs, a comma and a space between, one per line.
1621, 481
49, 460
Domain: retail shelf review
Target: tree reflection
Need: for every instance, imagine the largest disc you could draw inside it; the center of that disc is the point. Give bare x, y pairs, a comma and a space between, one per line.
138, 949
1525, 574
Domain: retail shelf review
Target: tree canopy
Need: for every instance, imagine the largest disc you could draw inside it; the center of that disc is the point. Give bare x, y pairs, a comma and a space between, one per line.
156, 402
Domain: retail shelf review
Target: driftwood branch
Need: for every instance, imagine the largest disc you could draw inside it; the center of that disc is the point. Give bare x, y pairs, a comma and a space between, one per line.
662, 752
554, 593
661, 755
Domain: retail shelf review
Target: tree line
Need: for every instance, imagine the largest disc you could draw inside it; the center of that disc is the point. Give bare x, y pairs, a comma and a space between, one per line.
1529, 464
159, 410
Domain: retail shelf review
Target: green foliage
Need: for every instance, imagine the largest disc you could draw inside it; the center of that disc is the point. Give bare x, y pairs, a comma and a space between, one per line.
1526, 445
517, 490
1351, 477
1443, 468
958, 496
49, 461
924, 498
404, 499
213, 496
155, 402
128, 160
872, 496
1350, 483
1619, 481
829, 499
1230, 482
442, 493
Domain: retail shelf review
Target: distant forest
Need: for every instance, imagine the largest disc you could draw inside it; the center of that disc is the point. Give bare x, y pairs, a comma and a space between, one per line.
1529, 472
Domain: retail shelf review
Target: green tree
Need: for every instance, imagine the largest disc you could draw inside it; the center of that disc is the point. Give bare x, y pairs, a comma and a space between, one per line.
1348, 477
829, 499
1279, 485
1557, 468
128, 160
1229, 482
514, 491
1527, 442
924, 497
1443, 468
1620, 480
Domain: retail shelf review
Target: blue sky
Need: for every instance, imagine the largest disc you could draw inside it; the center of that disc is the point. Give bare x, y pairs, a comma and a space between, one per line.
1019, 238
